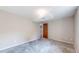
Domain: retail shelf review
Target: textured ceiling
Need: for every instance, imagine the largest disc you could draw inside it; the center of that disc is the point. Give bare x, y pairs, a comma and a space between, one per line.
54, 12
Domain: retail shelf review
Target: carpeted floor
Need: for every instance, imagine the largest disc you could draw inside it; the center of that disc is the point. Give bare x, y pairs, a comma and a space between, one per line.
41, 46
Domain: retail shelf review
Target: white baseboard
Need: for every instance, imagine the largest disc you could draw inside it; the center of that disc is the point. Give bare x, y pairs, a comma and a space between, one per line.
63, 41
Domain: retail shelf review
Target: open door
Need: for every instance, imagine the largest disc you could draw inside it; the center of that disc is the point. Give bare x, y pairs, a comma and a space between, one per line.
45, 30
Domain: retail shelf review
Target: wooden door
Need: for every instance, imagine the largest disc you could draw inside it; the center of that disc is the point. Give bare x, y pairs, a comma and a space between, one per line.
45, 30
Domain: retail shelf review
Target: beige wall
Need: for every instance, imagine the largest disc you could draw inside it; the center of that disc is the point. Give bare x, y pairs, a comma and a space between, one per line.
15, 29
61, 30
77, 31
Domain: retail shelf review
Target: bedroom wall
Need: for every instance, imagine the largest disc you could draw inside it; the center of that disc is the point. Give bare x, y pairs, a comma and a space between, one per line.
77, 31
61, 30
15, 30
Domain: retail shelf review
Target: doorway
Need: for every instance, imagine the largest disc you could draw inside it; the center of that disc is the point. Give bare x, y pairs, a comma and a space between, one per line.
45, 30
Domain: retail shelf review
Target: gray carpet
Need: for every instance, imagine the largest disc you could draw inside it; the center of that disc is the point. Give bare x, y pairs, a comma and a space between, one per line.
37, 46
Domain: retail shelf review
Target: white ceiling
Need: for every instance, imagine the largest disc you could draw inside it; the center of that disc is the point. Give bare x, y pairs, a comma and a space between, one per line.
55, 12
